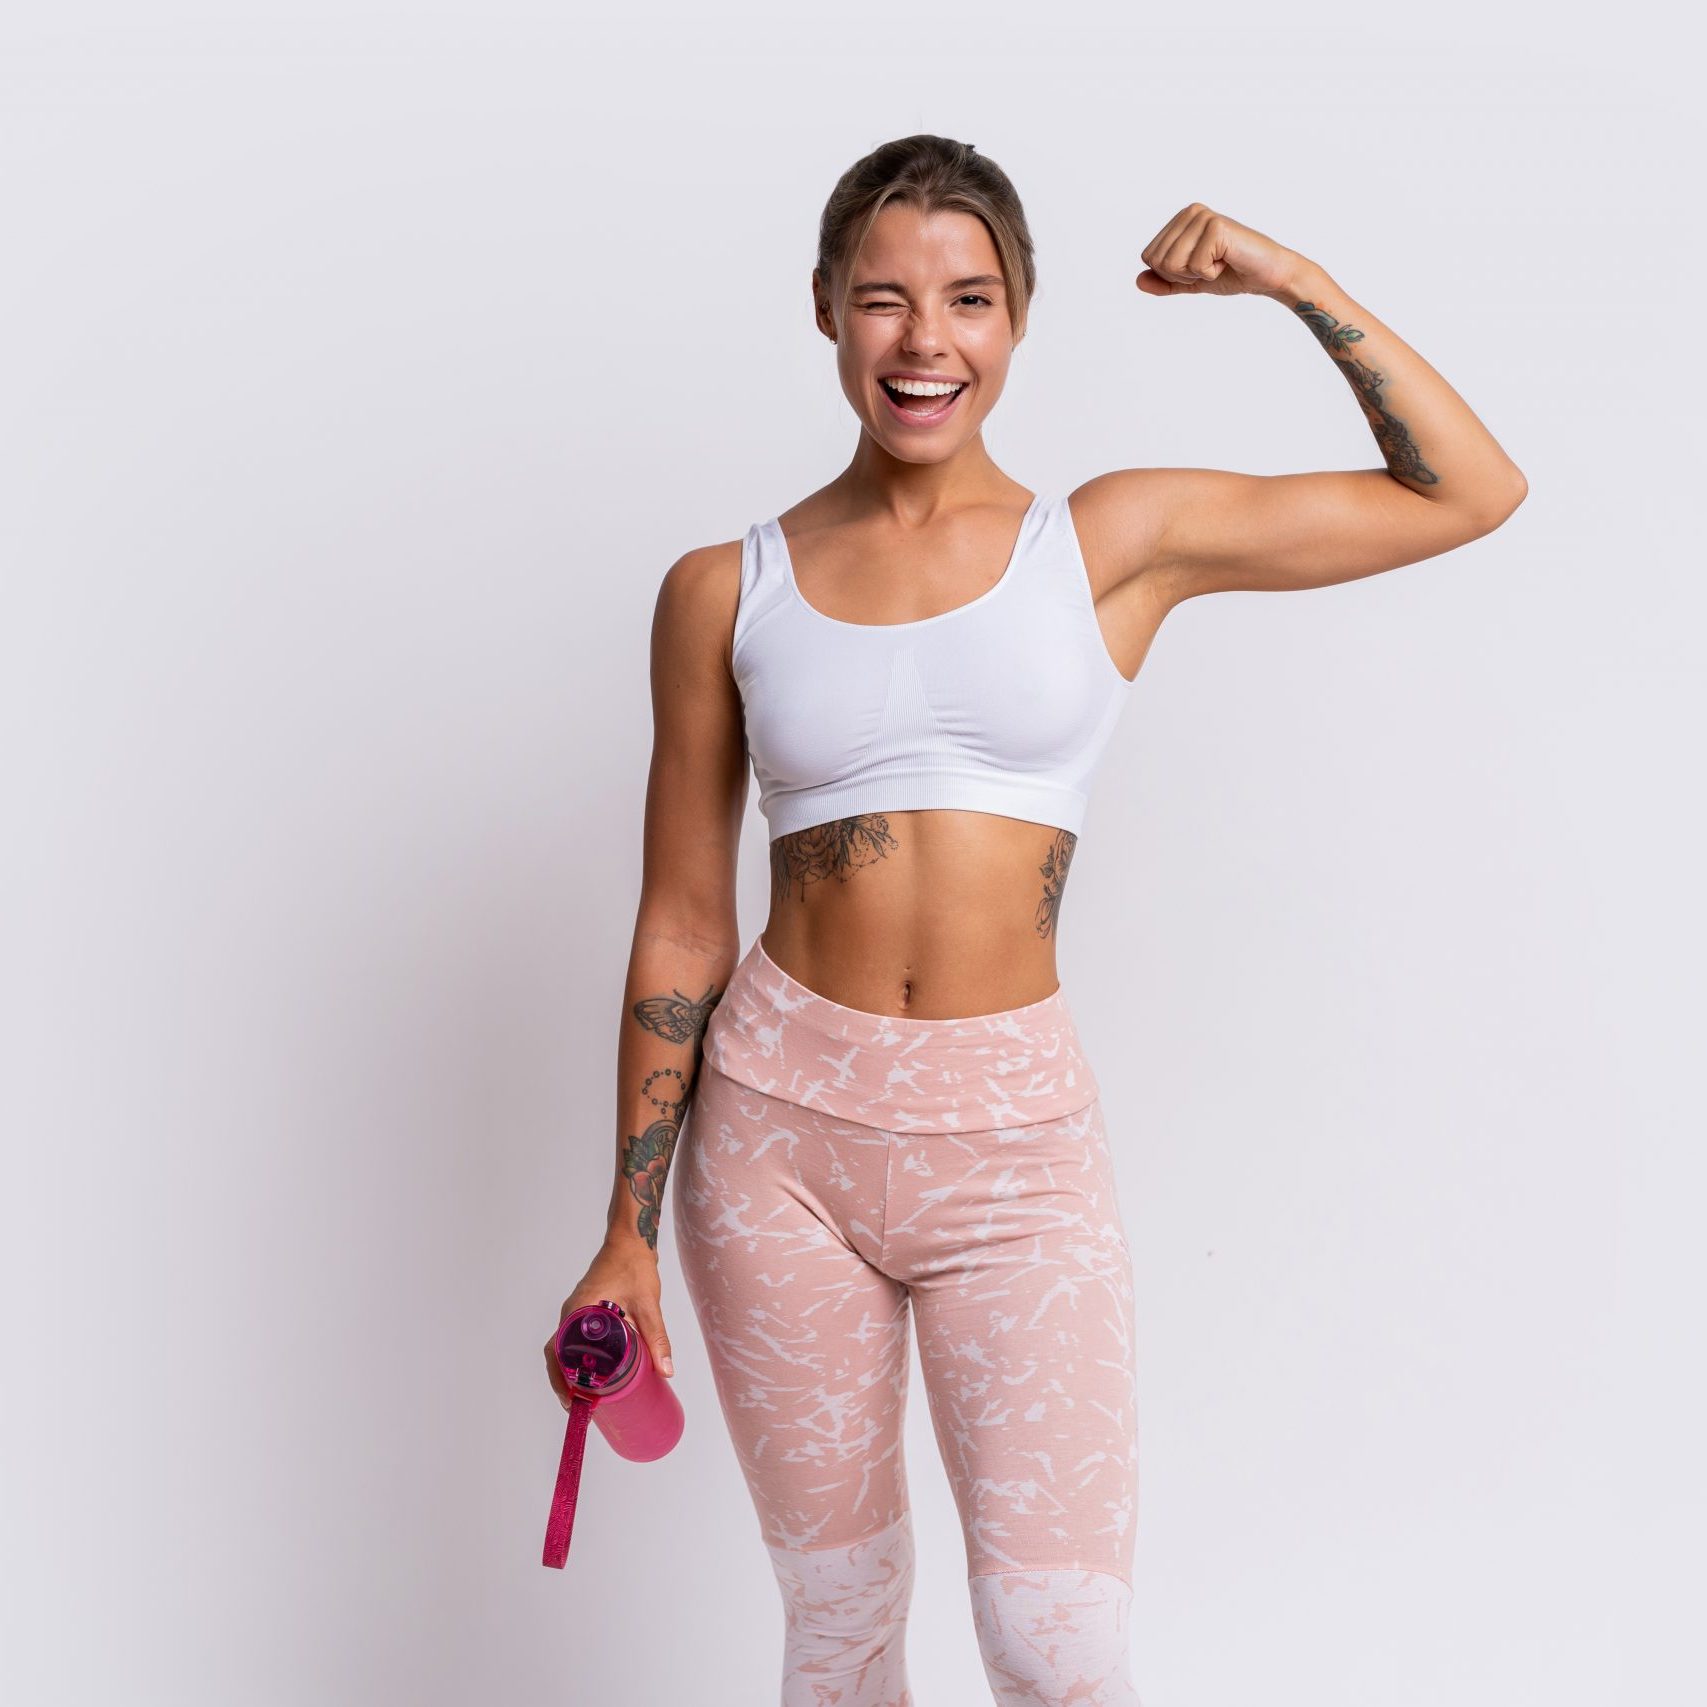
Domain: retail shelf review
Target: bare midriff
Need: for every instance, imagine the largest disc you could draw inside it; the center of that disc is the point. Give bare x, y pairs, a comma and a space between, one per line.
929, 915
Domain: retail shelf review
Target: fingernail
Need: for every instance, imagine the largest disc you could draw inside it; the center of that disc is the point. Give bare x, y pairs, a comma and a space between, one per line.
668, 1367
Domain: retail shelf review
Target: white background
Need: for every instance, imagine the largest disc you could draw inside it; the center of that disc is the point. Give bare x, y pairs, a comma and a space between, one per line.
365, 367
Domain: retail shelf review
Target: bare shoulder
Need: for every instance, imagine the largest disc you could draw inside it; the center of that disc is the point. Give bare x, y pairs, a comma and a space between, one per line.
697, 600
1119, 518
703, 575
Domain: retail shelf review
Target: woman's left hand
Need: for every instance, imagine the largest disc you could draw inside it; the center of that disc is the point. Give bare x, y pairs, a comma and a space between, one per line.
1200, 252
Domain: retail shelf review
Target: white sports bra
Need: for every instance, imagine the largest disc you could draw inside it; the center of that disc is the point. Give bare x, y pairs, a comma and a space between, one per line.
1003, 704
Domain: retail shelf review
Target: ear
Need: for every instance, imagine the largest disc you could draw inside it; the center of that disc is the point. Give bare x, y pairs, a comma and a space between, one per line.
821, 312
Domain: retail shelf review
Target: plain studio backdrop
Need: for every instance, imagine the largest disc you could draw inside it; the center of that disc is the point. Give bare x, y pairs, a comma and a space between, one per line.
366, 366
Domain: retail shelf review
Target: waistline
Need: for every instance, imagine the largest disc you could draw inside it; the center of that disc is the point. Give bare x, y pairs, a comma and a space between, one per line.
976, 1074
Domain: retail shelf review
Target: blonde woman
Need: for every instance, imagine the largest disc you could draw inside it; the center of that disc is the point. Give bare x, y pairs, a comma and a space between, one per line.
892, 1119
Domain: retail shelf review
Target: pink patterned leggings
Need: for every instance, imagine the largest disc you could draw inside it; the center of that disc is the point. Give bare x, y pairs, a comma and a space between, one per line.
839, 1171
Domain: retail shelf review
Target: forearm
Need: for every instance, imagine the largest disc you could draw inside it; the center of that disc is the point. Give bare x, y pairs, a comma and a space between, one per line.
674, 982
1429, 436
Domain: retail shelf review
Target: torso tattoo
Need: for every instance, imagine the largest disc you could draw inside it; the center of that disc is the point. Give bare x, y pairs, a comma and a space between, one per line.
845, 845
1054, 869
836, 849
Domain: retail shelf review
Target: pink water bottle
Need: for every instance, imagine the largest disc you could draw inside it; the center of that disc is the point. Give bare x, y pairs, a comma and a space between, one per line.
612, 1379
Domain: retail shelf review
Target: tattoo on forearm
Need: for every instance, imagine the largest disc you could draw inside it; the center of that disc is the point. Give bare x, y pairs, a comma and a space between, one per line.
1402, 456
677, 1018
646, 1165
1054, 869
836, 849
646, 1159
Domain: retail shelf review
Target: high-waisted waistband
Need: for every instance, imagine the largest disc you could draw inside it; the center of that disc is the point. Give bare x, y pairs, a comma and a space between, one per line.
1004, 1069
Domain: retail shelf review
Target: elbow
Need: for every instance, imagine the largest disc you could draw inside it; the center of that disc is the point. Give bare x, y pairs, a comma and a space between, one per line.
1500, 509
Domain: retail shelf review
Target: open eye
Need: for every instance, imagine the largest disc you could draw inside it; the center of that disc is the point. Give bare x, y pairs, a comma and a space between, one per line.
973, 296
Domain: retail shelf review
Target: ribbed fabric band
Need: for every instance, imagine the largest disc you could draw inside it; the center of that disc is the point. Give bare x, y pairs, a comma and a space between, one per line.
1004, 1069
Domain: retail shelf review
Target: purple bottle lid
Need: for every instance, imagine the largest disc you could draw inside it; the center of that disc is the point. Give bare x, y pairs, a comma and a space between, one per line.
596, 1346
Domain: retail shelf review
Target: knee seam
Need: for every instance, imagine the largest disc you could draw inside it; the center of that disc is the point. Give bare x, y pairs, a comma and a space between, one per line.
904, 1522
1042, 1570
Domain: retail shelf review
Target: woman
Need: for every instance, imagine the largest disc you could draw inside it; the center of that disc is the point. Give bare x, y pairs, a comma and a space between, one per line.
891, 1113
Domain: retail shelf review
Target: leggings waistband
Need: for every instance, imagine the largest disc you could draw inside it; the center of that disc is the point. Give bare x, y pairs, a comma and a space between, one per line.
976, 1074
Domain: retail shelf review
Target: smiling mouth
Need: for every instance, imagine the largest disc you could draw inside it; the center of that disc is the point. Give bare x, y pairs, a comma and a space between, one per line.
921, 409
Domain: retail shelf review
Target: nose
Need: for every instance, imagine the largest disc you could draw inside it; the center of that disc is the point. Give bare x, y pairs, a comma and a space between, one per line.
924, 334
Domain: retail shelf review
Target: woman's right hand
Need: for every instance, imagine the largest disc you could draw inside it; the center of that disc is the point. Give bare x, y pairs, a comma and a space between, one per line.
626, 1272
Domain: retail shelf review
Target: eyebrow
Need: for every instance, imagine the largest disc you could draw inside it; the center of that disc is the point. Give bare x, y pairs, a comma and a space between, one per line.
901, 290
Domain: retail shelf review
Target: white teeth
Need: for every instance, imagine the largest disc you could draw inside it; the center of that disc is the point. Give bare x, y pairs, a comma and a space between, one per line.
923, 387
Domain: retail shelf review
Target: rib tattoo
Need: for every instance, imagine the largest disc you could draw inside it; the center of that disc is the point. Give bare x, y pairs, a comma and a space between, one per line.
646, 1158
1054, 869
836, 849
1402, 456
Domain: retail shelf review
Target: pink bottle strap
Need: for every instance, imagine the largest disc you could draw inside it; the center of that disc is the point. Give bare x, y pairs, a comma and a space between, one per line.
562, 1521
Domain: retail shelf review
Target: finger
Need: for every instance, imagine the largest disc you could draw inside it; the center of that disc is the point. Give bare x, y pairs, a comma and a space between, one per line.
1153, 284
1205, 261
1178, 250
1164, 277
1164, 239
1176, 264
651, 1326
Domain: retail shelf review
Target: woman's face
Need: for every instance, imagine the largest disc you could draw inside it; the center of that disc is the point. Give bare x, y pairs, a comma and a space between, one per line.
927, 303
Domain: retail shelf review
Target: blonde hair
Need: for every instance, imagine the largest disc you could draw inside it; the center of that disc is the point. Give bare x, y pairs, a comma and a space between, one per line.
933, 174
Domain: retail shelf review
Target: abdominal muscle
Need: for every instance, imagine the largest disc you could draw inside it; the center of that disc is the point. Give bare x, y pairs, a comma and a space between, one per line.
928, 915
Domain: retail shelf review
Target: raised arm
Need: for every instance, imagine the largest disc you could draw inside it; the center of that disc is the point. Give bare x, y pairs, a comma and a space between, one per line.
1445, 480
686, 934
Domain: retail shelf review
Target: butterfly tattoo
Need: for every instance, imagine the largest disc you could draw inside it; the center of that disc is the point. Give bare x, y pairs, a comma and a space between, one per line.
676, 1018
